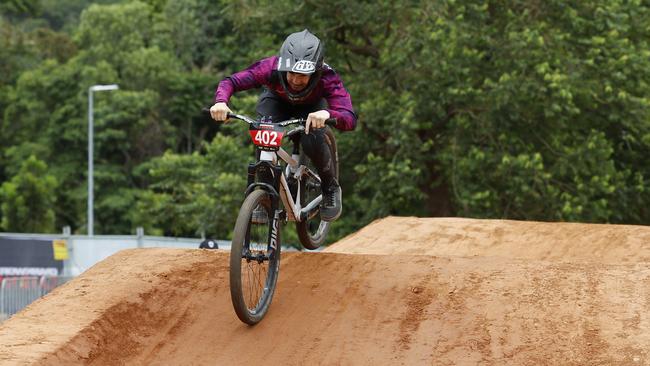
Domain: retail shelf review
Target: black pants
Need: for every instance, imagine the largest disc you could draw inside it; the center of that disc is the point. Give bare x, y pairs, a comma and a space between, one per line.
272, 106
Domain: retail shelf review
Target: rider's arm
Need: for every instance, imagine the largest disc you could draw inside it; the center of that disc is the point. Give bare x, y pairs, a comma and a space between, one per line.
254, 76
339, 102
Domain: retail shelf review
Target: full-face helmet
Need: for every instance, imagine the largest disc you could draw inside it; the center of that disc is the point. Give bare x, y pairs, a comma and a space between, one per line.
302, 53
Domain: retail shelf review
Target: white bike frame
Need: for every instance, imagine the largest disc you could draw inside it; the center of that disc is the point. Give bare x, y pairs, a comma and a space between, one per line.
294, 209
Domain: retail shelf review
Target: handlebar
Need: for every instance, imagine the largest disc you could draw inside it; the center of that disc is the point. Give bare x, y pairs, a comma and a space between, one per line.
250, 121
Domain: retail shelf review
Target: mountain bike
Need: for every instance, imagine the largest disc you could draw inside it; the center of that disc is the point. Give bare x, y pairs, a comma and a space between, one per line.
283, 188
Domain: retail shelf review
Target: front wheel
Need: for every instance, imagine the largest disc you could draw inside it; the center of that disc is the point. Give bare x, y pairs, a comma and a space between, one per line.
313, 232
254, 259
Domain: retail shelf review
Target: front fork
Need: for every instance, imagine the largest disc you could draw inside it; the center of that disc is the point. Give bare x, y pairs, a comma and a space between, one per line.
273, 239
274, 235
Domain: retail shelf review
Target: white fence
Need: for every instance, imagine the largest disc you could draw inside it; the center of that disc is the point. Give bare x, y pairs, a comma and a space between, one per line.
18, 292
84, 251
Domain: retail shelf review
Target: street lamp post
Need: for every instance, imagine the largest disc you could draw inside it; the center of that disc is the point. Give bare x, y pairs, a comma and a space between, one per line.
92, 89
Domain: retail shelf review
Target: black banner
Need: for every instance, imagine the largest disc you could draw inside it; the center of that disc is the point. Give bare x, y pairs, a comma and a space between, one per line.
28, 257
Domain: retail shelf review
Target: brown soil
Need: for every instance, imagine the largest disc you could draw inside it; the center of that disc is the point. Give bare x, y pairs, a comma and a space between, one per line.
565, 242
414, 291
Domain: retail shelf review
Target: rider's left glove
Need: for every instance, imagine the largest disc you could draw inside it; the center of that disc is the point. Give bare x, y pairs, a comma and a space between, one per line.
316, 120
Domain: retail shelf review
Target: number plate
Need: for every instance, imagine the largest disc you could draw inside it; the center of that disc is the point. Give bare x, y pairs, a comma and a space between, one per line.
267, 138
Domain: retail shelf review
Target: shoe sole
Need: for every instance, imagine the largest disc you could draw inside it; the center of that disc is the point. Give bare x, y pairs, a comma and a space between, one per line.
333, 218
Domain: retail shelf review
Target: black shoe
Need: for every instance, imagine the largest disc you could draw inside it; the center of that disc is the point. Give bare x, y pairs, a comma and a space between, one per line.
330, 207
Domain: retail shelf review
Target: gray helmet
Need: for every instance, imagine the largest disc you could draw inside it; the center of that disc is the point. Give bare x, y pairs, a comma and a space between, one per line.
302, 53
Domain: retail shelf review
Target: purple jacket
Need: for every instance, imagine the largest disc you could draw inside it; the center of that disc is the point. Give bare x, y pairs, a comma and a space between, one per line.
260, 74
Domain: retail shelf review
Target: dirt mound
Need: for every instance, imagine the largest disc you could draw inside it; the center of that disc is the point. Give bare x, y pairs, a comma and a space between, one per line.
172, 307
569, 242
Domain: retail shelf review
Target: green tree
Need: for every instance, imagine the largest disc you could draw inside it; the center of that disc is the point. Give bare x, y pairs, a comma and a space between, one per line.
21, 8
195, 193
152, 111
28, 199
479, 108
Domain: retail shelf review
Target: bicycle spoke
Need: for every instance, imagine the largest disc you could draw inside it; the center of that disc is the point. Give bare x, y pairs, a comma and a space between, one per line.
258, 286
250, 289
256, 268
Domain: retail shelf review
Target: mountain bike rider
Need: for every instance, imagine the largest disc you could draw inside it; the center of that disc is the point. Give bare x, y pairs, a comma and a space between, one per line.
298, 84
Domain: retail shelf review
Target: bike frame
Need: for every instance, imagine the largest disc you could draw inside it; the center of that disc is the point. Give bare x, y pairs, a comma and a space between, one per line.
294, 210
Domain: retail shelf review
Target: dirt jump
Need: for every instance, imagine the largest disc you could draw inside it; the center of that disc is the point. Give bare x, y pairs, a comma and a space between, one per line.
401, 291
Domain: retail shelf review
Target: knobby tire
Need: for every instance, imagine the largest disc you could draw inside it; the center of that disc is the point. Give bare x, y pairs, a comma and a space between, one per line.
240, 281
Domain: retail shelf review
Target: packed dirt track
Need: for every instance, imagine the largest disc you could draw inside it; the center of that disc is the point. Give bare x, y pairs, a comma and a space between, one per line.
402, 291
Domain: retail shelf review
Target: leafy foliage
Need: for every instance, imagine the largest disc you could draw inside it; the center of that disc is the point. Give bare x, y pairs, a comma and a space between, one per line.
196, 193
28, 199
478, 108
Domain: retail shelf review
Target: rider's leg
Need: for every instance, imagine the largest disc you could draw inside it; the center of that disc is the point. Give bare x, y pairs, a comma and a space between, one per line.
315, 146
270, 106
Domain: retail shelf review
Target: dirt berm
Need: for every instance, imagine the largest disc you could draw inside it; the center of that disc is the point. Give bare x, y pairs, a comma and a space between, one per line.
402, 291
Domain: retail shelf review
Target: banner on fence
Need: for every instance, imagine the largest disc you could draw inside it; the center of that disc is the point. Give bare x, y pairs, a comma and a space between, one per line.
30, 257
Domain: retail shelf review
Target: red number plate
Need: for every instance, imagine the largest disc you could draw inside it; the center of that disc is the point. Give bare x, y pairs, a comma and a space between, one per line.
267, 138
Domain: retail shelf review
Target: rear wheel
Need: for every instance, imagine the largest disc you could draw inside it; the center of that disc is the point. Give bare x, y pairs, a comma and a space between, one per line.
254, 260
313, 232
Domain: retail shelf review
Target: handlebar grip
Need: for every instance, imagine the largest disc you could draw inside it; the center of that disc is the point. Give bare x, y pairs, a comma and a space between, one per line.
207, 111
330, 122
